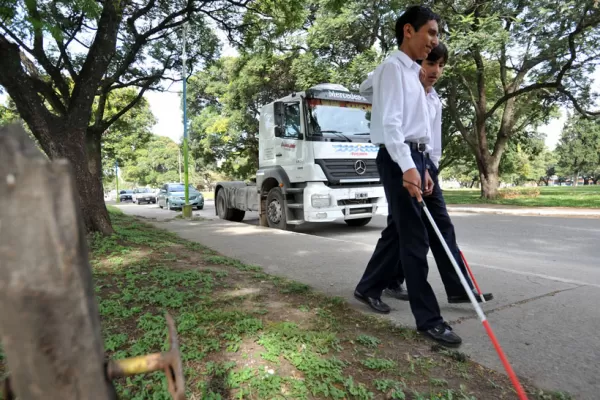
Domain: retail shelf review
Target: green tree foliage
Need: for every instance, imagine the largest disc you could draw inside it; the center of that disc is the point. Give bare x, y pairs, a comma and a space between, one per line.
58, 59
513, 62
8, 113
129, 133
544, 166
155, 164
225, 102
579, 148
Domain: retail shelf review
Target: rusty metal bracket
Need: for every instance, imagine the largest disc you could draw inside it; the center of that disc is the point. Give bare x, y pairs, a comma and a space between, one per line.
169, 362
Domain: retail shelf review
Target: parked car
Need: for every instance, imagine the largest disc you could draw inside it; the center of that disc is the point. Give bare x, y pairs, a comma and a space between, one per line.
126, 195
172, 195
143, 195
155, 192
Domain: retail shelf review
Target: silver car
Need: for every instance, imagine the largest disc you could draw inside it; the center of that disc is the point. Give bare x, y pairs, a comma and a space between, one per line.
143, 195
172, 195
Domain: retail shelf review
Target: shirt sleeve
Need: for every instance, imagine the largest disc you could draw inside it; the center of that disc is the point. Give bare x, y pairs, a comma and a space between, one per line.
366, 87
436, 131
391, 101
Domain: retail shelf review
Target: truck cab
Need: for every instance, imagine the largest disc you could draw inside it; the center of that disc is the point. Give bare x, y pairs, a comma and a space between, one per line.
316, 162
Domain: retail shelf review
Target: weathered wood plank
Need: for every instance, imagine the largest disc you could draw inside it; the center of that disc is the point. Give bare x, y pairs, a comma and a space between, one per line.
49, 321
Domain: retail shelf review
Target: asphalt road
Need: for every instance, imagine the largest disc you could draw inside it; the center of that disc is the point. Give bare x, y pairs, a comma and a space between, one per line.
543, 271
559, 248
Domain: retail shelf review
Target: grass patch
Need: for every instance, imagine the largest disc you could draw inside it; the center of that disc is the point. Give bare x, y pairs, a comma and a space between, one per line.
368, 341
208, 195
245, 334
554, 196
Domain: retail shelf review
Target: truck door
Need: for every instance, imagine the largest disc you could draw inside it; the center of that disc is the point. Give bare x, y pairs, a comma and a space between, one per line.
289, 146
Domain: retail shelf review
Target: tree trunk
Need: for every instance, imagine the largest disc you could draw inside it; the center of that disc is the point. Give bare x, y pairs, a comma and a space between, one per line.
83, 152
489, 186
101, 220
488, 175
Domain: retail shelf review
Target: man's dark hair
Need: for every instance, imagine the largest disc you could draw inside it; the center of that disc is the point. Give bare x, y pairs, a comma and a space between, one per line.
439, 51
417, 16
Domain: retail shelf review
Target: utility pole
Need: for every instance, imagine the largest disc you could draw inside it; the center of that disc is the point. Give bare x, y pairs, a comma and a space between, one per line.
117, 179
187, 209
179, 158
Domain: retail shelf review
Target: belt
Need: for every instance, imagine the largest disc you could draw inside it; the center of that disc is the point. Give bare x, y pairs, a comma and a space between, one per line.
420, 147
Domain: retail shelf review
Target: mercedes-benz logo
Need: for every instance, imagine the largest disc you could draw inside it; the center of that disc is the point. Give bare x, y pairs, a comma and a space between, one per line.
360, 167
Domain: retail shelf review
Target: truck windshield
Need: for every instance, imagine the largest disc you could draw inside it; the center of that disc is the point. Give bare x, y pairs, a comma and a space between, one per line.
343, 121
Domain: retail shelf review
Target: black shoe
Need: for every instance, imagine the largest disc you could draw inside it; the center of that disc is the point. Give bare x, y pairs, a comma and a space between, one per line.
465, 299
443, 334
376, 304
398, 293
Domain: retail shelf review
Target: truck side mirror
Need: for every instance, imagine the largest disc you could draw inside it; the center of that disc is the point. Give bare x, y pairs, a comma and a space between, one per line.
279, 117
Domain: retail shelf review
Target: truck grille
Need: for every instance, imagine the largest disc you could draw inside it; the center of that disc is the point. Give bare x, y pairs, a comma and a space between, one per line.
352, 202
338, 169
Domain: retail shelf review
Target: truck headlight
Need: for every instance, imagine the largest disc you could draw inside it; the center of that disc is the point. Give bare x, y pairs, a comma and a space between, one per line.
320, 200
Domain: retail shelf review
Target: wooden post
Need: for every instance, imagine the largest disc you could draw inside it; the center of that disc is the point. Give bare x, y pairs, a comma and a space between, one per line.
49, 321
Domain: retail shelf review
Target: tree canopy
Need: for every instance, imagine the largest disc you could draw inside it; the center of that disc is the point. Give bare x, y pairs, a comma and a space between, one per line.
579, 148
512, 65
61, 60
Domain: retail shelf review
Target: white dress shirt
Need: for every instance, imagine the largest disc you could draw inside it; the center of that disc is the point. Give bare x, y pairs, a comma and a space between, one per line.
435, 112
399, 107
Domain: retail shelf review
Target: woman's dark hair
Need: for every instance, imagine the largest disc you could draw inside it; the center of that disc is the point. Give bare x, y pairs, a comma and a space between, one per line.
417, 16
439, 51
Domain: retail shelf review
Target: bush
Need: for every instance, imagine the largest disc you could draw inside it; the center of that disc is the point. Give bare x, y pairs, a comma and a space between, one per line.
516, 193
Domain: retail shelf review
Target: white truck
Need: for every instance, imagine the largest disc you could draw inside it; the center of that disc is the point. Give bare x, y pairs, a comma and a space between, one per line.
316, 163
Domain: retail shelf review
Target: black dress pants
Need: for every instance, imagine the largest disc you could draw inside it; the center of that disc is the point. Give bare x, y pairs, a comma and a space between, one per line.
437, 207
407, 239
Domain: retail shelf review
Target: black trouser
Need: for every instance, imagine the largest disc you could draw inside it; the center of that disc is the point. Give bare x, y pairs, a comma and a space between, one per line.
437, 207
408, 239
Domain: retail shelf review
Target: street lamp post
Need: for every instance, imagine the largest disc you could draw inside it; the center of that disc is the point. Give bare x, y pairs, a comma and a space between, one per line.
117, 179
187, 209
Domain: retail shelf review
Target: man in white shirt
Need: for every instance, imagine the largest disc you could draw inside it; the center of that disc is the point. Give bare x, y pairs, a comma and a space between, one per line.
400, 124
431, 70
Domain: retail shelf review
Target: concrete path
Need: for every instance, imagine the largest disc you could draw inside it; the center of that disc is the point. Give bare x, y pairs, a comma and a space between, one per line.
547, 321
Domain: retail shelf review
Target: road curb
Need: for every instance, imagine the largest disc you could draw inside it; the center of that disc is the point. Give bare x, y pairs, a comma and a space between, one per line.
527, 212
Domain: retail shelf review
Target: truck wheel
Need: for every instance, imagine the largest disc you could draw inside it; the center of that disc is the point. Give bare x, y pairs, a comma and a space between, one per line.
358, 221
228, 214
276, 217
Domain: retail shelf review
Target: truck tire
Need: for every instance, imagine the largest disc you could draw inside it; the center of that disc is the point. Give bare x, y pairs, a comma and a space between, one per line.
358, 221
276, 217
228, 214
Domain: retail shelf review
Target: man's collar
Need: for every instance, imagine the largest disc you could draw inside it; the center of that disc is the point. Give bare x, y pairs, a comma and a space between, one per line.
406, 60
432, 92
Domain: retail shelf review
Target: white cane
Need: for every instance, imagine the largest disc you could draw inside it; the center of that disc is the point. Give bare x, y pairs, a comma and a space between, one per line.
482, 317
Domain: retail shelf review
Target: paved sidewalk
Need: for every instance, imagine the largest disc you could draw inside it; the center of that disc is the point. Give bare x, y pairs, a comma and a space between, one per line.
547, 325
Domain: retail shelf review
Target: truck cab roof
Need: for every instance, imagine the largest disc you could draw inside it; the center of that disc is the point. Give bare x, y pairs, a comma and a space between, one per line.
328, 91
